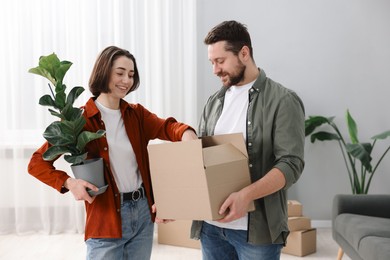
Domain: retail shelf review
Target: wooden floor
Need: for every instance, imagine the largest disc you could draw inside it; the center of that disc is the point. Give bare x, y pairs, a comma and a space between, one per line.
72, 247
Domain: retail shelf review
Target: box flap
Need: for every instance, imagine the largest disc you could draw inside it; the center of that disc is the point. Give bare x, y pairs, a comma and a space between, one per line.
220, 154
236, 139
223, 179
178, 178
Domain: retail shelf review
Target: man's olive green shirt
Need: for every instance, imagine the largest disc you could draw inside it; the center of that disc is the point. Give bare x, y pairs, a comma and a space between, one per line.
275, 139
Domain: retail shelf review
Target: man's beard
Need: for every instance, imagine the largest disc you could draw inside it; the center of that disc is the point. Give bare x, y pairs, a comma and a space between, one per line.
236, 78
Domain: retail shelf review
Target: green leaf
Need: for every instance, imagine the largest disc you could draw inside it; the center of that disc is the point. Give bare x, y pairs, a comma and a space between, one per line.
55, 113
54, 151
47, 100
61, 70
362, 152
50, 64
43, 72
75, 159
73, 127
86, 137
352, 128
60, 88
60, 99
59, 133
71, 113
76, 113
315, 121
323, 136
383, 135
74, 94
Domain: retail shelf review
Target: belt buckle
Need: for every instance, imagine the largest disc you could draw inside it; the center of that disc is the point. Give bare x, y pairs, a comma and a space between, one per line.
136, 195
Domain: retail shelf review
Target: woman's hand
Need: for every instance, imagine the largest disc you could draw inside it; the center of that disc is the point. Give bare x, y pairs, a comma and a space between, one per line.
78, 187
189, 135
159, 220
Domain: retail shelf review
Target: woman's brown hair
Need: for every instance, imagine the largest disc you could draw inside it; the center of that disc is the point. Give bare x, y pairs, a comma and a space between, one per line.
100, 76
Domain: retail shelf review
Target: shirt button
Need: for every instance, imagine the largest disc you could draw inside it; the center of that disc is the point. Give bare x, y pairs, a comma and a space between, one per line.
249, 122
249, 144
250, 165
251, 90
105, 148
118, 210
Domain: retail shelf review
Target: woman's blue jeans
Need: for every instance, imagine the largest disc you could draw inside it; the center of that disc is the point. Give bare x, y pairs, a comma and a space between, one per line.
137, 235
220, 243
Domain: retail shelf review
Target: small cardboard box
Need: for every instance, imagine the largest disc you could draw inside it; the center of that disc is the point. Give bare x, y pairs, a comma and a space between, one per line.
301, 243
192, 179
298, 223
294, 208
176, 233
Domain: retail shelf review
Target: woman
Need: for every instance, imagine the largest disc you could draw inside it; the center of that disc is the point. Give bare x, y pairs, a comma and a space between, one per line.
119, 222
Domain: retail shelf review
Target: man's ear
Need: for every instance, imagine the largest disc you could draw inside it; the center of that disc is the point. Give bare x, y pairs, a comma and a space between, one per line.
245, 54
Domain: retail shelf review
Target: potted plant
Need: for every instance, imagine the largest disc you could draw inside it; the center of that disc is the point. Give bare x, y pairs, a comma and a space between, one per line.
66, 135
356, 154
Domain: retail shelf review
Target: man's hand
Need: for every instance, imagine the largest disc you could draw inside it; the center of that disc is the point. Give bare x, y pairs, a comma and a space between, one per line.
79, 187
235, 207
159, 220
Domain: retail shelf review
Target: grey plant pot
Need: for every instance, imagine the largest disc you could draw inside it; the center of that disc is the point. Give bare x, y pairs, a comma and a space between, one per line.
91, 171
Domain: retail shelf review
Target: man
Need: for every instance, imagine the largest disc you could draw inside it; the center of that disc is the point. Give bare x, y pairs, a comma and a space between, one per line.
271, 118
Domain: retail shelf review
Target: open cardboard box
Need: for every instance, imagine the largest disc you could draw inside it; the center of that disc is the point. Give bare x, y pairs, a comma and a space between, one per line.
192, 179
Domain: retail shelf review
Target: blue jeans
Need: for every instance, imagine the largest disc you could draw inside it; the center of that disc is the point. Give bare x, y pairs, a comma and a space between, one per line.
137, 235
220, 243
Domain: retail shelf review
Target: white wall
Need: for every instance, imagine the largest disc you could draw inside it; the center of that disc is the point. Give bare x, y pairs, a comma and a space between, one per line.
335, 55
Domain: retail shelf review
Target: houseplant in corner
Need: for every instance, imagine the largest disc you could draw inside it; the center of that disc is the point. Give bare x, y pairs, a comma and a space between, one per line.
356, 154
66, 135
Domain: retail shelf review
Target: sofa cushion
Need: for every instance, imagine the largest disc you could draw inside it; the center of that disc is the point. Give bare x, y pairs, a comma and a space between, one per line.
375, 248
356, 227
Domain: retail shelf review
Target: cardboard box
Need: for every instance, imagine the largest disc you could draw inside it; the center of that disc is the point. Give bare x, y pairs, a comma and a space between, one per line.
192, 179
176, 233
301, 243
298, 223
294, 208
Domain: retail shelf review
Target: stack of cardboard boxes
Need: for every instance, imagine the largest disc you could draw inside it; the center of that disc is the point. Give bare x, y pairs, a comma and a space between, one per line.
302, 238
300, 242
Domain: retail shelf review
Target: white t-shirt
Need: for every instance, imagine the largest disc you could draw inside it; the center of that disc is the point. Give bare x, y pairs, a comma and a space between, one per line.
233, 120
122, 157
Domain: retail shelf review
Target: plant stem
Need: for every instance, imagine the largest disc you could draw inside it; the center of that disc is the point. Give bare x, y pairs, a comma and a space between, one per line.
51, 90
352, 176
376, 166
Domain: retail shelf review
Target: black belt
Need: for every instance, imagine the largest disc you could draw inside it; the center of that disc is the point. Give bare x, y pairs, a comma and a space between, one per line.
134, 195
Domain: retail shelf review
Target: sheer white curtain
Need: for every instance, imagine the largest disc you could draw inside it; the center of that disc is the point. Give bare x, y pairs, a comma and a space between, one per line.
160, 33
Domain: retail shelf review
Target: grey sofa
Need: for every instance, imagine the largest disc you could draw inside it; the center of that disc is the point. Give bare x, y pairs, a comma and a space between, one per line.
361, 225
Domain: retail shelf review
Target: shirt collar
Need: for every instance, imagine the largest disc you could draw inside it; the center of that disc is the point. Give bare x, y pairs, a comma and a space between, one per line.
259, 84
91, 110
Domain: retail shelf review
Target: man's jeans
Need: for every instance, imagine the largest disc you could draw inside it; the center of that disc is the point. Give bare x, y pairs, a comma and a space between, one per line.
137, 235
220, 243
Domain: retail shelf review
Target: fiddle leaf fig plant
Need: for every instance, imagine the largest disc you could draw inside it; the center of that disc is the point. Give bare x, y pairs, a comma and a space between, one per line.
356, 154
65, 136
